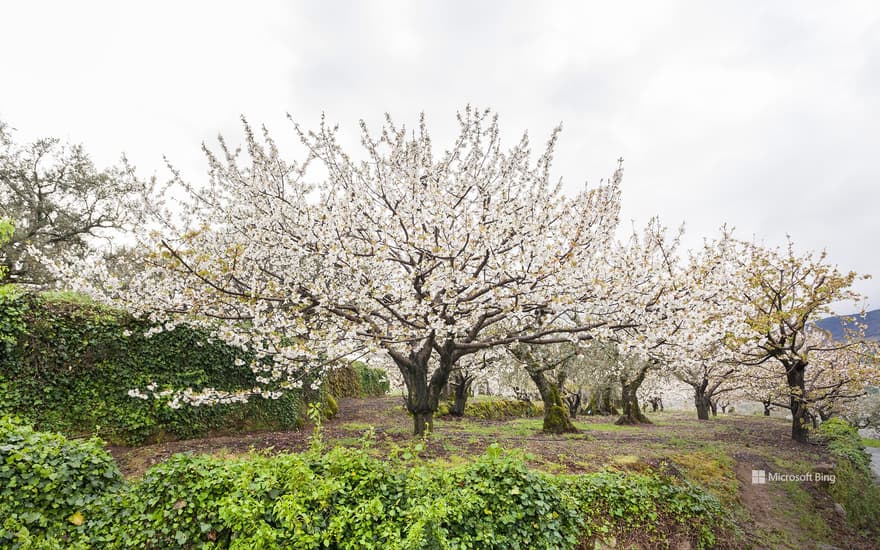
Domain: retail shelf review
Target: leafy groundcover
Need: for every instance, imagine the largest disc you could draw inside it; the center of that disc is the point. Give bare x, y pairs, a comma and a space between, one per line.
60, 493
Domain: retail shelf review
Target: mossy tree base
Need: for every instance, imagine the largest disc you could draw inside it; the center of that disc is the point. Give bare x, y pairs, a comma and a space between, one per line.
633, 420
556, 421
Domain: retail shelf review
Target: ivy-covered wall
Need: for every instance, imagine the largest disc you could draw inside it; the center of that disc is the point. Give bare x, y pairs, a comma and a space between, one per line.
67, 365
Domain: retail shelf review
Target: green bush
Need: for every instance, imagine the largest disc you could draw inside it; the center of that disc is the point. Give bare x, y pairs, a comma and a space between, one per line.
496, 502
346, 499
71, 363
175, 505
843, 441
330, 406
854, 486
49, 484
374, 381
12, 325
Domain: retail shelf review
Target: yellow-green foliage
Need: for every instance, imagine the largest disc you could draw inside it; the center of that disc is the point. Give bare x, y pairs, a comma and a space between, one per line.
357, 380
331, 407
374, 381
344, 381
7, 229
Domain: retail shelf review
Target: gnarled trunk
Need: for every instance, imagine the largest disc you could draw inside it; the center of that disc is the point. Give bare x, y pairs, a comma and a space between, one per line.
556, 418
600, 402
632, 414
461, 384
702, 398
713, 404
796, 388
574, 403
422, 394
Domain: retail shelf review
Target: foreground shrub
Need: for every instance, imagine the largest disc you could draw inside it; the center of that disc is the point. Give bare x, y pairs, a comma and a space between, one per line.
49, 484
175, 505
854, 487
345, 499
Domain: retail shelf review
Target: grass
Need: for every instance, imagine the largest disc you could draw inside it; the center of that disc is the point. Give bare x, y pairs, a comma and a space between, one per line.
869, 442
519, 427
811, 522
355, 426
626, 460
604, 427
713, 469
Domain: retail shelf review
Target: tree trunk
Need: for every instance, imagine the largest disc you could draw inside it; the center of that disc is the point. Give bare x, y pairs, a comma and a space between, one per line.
600, 402
713, 404
766, 407
701, 400
799, 416
422, 394
423, 422
446, 393
556, 418
632, 414
574, 403
462, 386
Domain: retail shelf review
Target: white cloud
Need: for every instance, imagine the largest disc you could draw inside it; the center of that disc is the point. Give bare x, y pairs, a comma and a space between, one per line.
763, 115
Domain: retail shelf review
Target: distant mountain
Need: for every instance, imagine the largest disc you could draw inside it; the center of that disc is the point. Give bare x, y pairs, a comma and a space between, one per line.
835, 325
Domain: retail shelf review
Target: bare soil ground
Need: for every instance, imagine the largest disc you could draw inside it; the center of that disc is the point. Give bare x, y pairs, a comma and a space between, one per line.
720, 453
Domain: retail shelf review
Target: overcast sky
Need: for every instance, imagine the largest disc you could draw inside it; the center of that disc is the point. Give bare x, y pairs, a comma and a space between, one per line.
764, 115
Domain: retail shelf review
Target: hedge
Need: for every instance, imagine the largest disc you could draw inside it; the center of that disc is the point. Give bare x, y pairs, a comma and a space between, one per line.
357, 379
68, 366
496, 408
